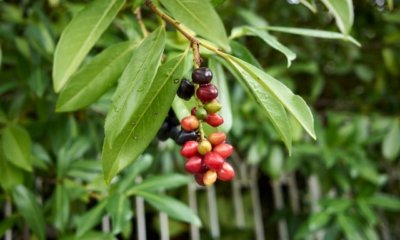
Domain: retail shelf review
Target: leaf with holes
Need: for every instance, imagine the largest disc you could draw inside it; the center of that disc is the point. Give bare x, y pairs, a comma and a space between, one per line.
80, 36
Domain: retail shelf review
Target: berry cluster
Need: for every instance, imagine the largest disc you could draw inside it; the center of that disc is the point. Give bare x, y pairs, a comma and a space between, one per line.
205, 156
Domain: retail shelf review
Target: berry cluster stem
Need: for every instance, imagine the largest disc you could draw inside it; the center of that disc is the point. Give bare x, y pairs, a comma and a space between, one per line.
193, 41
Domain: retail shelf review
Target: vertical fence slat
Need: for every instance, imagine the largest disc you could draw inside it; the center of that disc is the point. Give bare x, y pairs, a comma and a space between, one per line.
8, 211
279, 205
255, 200
315, 195
105, 224
194, 230
140, 215
293, 193
164, 226
213, 212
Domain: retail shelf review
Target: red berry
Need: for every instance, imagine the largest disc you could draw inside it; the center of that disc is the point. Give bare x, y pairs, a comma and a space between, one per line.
199, 179
226, 173
217, 138
194, 164
209, 177
207, 93
213, 161
190, 123
189, 149
224, 150
193, 111
214, 119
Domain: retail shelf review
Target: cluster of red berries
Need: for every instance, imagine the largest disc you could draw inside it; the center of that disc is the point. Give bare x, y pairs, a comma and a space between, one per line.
205, 156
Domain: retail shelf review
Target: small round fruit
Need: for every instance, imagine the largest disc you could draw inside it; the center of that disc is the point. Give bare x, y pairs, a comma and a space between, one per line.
193, 164
204, 147
214, 119
189, 149
185, 90
201, 114
171, 118
217, 138
210, 177
174, 132
213, 161
224, 150
199, 179
207, 93
226, 173
202, 75
190, 123
184, 136
163, 133
193, 111
213, 106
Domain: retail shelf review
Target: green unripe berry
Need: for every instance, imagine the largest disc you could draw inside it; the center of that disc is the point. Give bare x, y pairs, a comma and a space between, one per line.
201, 113
204, 147
213, 106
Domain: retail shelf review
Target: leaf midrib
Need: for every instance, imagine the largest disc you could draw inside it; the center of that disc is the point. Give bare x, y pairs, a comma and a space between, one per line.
194, 16
85, 43
96, 75
146, 108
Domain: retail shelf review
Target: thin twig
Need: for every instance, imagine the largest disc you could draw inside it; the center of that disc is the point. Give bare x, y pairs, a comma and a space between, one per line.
138, 15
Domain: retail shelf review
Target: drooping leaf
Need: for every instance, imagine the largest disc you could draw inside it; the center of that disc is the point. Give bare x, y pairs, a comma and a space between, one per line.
80, 36
274, 164
119, 208
161, 182
385, 201
343, 12
30, 210
391, 142
90, 219
293, 103
17, 146
220, 81
310, 4
267, 38
95, 78
146, 120
11, 175
61, 207
134, 84
270, 106
201, 17
313, 33
172, 207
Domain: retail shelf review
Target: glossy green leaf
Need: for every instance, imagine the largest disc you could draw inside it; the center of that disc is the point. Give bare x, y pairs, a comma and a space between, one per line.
391, 142
80, 36
349, 227
172, 207
134, 84
313, 33
90, 219
385, 201
61, 208
343, 12
270, 106
30, 210
201, 17
95, 78
221, 82
274, 164
310, 4
318, 220
267, 38
160, 182
119, 208
17, 146
146, 120
241, 51
293, 103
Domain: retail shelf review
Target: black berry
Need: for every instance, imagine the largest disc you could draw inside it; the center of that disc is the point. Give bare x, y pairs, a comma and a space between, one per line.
202, 75
186, 89
163, 133
174, 132
184, 136
172, 119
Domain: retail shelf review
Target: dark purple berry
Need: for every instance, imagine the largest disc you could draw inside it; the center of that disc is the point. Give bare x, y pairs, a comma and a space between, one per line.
185, 90
174, 132
202, 75
172, 119
184, 136
163, 133
207, 93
